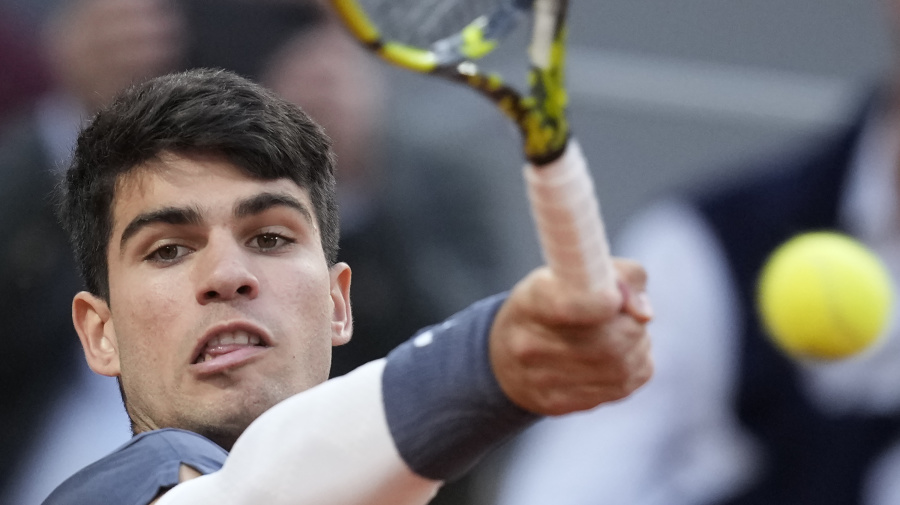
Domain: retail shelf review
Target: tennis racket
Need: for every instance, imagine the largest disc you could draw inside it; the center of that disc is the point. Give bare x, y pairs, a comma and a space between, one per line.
444, 38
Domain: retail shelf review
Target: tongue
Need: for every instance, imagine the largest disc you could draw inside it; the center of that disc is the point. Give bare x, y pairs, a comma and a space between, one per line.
222, 349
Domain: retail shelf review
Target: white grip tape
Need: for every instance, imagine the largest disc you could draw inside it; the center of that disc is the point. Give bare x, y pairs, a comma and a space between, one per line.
567, 216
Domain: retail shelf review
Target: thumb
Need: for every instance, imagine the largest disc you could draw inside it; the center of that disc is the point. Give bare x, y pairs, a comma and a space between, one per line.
632, 284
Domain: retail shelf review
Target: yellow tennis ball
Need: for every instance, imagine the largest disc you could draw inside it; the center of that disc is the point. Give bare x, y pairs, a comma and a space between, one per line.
824, 296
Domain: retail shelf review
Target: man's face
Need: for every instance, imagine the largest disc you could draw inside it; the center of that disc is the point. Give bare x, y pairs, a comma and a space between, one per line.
221, 300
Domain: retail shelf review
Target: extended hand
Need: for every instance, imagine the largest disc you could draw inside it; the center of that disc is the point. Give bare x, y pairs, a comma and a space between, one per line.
556, 350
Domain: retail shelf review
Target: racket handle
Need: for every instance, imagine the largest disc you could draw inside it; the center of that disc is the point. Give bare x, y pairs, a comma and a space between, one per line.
567, 215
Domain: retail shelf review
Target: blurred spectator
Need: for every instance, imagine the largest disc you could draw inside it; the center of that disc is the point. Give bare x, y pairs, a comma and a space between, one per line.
98, 47
24, 74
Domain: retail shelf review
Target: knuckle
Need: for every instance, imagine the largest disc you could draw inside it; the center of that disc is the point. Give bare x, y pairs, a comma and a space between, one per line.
525, 352
555, 405
641, 374
609, 302
547, 397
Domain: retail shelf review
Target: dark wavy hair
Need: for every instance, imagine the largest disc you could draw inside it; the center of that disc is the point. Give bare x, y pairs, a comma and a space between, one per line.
197, 111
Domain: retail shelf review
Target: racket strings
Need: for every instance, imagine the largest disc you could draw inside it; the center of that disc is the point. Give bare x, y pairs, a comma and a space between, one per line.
421, 23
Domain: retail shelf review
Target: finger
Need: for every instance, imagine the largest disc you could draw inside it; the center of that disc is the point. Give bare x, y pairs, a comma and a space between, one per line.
631, 273
555, 390
633, 284
555, 303
575, 355
636, 304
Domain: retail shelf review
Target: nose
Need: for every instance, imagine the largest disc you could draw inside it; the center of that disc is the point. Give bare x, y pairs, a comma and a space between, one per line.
224, 273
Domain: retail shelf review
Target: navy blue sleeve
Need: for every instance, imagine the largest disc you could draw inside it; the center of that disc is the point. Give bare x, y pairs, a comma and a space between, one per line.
444, 407
135, 473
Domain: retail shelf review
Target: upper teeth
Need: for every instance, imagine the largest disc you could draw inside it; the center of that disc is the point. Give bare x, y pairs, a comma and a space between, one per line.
236, 337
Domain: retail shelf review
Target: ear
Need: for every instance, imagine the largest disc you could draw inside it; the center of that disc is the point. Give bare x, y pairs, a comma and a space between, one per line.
342, 317
94, 325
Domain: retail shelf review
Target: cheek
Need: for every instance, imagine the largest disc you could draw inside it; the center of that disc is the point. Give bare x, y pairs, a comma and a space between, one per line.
302, 306
154, 304
307, 284
145, 318
303, 303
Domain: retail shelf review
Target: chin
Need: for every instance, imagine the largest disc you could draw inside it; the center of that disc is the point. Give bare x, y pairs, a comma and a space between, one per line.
226, 428
224, 437
223, 425
224, 418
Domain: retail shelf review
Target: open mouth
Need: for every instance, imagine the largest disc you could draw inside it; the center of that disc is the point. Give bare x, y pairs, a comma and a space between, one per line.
228, 342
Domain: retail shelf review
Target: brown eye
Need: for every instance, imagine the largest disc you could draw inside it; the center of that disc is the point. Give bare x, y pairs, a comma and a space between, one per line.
167, 252
270, 242
267, 241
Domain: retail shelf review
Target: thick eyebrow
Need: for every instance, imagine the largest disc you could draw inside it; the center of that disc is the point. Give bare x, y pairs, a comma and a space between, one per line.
252, 206
262, 202
167, 215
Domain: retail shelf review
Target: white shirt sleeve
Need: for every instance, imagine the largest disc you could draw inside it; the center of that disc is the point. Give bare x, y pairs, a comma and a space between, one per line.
676, 440
328, 446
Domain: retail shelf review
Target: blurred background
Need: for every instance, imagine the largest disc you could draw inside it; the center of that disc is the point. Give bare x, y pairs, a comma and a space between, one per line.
665, 95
